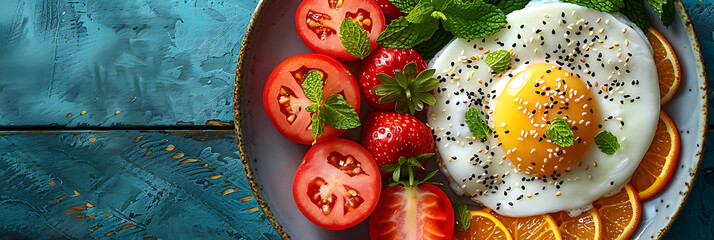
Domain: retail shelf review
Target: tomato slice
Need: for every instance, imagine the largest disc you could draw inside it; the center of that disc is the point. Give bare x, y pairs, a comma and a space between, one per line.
285, 102
337, 185
422, 212
318, 23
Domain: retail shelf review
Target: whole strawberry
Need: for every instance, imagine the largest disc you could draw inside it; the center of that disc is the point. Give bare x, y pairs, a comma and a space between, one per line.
390, 135
397, 79
390, 11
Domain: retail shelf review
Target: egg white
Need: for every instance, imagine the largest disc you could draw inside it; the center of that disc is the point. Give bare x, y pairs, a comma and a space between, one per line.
542, 28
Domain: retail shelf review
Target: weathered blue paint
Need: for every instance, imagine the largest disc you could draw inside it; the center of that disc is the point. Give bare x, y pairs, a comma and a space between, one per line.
169, 185
156, 62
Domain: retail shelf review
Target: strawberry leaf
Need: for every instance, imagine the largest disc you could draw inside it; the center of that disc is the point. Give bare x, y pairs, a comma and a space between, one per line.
408, 88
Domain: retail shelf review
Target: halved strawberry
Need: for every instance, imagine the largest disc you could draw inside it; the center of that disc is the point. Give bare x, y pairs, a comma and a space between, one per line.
397, 79
390, 135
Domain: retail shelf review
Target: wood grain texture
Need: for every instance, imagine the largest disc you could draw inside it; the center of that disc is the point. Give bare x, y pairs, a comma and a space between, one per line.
128, 185
116, 62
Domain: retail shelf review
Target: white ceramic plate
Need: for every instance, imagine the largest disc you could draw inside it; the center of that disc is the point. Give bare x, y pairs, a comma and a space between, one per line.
271, 160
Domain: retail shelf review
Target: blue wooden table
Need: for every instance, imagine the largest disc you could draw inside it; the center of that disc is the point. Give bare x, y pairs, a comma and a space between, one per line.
116, 122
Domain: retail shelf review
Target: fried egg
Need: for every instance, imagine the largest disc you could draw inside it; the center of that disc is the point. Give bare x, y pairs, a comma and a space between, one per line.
588, 67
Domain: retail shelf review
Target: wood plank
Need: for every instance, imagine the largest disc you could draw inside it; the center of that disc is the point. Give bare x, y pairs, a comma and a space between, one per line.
116, 62
128, 185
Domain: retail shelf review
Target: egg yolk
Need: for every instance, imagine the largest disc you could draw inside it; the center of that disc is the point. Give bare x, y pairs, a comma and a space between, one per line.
530, 100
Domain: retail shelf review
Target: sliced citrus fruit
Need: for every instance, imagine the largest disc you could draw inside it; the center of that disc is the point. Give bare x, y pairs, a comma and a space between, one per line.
619, 213
660, 161
484, 226
585, 226
670, 75
539, 227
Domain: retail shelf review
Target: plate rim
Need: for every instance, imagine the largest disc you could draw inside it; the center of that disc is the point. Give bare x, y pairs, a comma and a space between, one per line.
237, 120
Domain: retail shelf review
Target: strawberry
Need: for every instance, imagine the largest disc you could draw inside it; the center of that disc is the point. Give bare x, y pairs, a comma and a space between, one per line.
390, 11
390, 135
397, 79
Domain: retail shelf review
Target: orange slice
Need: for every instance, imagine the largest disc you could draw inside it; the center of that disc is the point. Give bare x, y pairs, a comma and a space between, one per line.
620, 213
540, 227
660, 161
484, 226
585, 226
670, 75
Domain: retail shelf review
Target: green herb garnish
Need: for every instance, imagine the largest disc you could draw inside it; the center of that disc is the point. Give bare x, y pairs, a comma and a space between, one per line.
559, 132
478, 126
334, 110
607, 142
354, 38
499, 60
462, 216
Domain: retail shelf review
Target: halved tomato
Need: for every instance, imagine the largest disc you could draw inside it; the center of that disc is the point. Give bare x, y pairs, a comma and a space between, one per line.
318, 23
285, 101
337, 185
411, 213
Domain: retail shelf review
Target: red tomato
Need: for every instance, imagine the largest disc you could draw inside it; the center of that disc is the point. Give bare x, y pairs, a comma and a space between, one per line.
285, 101
411, 213
318, 23
337, 185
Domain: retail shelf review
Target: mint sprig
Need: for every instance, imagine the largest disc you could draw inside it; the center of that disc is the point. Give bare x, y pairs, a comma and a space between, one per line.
600, 5
404, 34
664, 9
633, 9
508, 6
464, 19
335, 111
354, 38
408, 88
637, 13
498, 60
405, 5
471, 20
478, 126
428, 49
559, 132
607, 142
462, 216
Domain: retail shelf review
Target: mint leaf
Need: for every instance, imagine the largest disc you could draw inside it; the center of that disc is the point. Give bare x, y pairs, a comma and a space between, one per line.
429, 48
664, 9
600, 5
354, 38
338, 113
559, 132
421, 12
478, 126
471, 20
314, 107
405, 5
318, 126
312, 86
508, 6
403, 34
607, 142
462, 216
636, 12
499, 60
